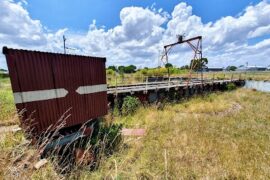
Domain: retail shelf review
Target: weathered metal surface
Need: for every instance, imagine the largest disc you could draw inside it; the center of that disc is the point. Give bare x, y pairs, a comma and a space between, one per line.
46, 85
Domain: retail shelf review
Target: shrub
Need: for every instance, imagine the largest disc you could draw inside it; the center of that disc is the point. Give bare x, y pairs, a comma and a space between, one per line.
220, 78
116, 109
107, 138
231, 86
130, 105
144, 72
110, 72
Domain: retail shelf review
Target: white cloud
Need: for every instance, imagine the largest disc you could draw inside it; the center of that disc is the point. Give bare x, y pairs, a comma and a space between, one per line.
260, 31
17, 28
231, 29
135, 40
140, 36
224, 39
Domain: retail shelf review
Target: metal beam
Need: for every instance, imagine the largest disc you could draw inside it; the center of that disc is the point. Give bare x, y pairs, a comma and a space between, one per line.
181, 42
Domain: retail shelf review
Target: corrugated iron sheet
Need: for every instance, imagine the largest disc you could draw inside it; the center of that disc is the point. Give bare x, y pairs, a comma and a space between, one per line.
46, 86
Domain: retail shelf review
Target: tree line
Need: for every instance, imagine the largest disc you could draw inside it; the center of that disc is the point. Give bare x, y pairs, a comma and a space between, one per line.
195, 64
123, 69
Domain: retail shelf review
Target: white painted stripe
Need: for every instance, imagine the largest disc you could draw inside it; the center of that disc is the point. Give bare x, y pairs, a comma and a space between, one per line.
39, 95
92, 89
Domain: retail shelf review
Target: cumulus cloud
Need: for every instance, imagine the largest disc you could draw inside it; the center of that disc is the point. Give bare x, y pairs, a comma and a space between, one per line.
260, 31
140, 36
226, 38
16, 26
135, 40
236, 29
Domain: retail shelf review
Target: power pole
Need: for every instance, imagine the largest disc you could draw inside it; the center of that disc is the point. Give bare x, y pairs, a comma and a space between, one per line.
64, 40
158, 61
201, 56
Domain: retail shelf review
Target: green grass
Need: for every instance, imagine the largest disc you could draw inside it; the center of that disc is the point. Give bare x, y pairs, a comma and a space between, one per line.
7, 107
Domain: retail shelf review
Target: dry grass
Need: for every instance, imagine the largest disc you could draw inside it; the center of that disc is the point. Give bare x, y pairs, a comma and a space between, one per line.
18, 156
202, 138
256, 75
138, 78
197, 145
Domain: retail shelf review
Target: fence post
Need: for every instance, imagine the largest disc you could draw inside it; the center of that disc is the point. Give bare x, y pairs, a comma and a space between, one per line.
115, 83
146, 83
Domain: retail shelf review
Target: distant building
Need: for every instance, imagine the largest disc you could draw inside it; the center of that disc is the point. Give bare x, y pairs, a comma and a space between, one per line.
213, 69
253, 68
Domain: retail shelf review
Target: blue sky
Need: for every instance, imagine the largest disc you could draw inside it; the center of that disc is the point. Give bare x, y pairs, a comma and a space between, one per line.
76, 15
134, 31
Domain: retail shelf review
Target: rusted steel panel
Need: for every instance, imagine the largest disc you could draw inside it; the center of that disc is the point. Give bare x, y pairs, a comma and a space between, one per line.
46, 85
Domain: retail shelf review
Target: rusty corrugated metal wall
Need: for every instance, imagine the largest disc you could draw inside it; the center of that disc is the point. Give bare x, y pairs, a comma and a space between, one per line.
48, 84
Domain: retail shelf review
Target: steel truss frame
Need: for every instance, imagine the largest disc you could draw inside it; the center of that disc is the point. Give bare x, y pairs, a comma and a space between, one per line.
196, 47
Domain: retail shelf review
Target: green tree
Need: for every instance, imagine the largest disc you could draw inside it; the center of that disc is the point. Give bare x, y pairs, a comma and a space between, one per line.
127, 69
168, 66
231, 68
112, 68
184, 67
130, 69
198, 64
121, 69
